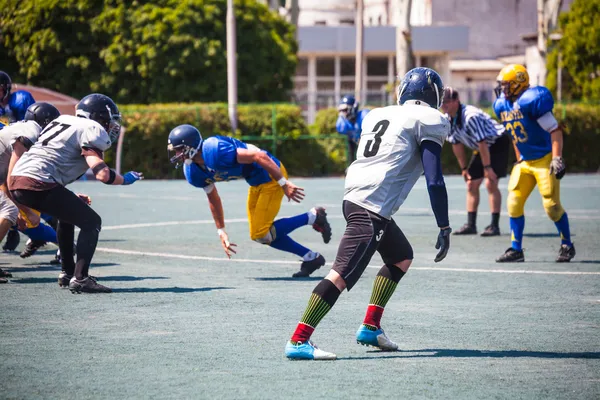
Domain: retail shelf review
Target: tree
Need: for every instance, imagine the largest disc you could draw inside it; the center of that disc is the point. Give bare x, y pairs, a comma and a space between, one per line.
580, 52
52, 42
150, 51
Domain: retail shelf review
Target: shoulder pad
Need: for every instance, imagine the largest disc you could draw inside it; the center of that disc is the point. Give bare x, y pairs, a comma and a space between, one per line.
19, 101
434, 126
536, 101
95, 136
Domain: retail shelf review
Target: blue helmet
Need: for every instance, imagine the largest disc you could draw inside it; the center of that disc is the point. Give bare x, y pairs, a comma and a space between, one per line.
422, 85
349, 106
185, 142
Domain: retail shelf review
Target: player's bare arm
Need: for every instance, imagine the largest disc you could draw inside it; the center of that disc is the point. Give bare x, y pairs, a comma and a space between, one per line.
459, 151
486, 160
292, 192
216, 209
107, 175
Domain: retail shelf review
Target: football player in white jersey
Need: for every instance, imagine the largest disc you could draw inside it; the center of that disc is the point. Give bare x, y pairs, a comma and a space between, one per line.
16, 139
397, 145
67, 147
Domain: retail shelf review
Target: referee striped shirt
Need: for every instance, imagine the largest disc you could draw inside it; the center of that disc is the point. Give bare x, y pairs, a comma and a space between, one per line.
472, 125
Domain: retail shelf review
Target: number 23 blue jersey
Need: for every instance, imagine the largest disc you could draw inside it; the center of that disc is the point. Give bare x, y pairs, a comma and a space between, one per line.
220, 164
520, 120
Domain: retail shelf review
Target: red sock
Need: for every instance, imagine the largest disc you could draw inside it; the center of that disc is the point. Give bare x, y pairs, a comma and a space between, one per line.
302, 333
373, 316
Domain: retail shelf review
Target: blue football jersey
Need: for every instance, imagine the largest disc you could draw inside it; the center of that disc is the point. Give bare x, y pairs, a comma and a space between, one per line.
520, 120
352, 130
18, 103
220, 164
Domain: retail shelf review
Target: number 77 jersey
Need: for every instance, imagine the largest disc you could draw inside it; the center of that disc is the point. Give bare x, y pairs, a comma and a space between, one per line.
58, 155
388, 159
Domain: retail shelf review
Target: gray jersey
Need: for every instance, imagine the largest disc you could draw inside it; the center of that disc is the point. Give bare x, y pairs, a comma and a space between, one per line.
57, 155
388, 161
29, 130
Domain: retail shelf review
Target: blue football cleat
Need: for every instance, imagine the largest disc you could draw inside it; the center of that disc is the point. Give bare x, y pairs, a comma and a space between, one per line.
306, 351
376, 338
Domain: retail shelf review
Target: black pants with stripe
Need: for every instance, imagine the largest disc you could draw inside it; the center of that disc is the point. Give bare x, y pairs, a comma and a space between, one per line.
367, 232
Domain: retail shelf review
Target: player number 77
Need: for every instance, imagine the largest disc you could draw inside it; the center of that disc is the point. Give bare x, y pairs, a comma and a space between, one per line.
51, 126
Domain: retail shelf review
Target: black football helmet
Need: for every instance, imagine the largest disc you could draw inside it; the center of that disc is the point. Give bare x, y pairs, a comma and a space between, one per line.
5, 84
42, 113
103, 110
421, 85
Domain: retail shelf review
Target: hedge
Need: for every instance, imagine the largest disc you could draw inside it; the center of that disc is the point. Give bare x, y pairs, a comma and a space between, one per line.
581, 123
148, 126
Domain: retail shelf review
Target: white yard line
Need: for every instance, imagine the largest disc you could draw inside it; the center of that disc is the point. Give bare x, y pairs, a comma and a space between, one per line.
245, 260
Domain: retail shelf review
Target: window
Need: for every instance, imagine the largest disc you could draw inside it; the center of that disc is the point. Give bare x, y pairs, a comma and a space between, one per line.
325, 67
348, 65
302, 68
377, 66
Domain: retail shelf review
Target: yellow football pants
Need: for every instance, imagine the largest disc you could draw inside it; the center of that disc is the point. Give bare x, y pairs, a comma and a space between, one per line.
29, 224
264, 202
523, 179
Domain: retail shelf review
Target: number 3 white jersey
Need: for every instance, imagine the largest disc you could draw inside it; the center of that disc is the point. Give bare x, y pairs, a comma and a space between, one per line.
388, 159
57, 155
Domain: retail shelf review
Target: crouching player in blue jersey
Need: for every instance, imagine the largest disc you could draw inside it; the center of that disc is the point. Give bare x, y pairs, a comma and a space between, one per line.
527, 115
221, 158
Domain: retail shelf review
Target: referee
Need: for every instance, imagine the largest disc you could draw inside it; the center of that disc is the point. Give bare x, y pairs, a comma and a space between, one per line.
473, 128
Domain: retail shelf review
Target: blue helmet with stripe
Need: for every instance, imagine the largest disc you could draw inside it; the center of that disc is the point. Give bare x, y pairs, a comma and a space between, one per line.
421, 85
184, 141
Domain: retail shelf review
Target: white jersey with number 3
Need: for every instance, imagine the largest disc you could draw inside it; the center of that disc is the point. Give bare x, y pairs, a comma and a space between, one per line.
57, 155
388, 159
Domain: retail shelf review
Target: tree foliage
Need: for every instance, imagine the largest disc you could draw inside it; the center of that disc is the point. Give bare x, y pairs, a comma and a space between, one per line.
149, 51
580, 50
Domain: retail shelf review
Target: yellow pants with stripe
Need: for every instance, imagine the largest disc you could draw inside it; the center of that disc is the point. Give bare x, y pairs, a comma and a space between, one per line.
264, 202
523, 178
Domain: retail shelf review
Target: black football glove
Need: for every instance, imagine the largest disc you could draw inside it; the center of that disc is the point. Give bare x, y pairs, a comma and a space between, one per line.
557, 167
443, 244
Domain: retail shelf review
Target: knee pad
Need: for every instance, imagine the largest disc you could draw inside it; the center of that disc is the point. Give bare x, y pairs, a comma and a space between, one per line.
9, 212
515, 205
553, 209
93, 223
268, 238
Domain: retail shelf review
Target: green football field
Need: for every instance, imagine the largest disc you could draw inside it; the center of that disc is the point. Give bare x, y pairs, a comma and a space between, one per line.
185, 322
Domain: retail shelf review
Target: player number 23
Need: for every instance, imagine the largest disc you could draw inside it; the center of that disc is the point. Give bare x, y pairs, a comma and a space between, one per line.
372, 146
517, 131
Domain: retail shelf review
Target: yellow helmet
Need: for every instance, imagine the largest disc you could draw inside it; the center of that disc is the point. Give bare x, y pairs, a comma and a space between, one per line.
516, 77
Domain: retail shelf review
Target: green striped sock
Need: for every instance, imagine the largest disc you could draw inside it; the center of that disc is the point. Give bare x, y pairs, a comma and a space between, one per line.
315, 311
383, 289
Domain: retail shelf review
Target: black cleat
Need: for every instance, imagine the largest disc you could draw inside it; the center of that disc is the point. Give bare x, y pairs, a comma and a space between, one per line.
87, 285
511, 255
322, 225
57, 259
31, 247
466, 230
491, 230
3, 280
12, 241
566, 253
308, 267
5, 274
